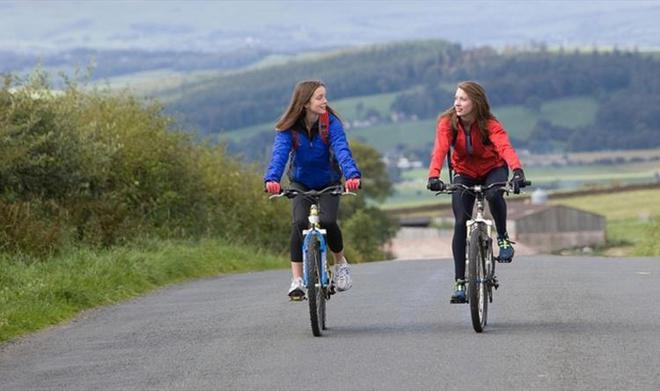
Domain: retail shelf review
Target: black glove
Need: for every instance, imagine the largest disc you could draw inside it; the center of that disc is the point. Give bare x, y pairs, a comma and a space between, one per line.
435, 184
518, 180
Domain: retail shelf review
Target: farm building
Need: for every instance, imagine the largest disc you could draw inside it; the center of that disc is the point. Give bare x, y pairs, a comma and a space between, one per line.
550, 228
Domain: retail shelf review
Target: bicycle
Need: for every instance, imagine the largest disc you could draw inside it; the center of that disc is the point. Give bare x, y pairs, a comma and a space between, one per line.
480, 261
317, 275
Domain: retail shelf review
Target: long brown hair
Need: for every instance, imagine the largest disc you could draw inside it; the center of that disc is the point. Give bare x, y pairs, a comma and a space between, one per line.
302, 93
481, 108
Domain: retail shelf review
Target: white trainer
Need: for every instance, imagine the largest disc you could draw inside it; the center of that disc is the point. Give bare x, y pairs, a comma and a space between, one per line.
297, 289
342, 277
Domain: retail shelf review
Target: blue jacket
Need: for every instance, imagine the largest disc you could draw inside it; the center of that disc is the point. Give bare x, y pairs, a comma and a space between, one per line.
312, 163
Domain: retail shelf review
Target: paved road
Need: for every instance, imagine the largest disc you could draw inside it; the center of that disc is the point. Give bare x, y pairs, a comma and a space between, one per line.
558, 323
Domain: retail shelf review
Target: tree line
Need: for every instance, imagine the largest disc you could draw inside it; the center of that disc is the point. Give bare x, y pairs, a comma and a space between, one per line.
625, 84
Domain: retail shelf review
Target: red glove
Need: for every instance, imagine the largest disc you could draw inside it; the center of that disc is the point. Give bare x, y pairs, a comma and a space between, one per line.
352, 184
273, 187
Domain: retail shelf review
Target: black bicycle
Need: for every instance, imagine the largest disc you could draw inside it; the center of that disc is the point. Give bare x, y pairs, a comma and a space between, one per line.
316, 271
480, 261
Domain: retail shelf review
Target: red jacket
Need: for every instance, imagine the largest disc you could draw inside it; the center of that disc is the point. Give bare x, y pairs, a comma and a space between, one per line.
483, 159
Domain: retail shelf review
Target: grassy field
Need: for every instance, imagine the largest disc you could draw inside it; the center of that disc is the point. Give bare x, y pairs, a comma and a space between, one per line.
387, 136
518, 120
639, 204
347, 108
571, 113
633, 218
39, 293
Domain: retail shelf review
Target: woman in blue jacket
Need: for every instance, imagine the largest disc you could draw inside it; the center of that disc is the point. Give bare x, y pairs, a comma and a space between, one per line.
317, 160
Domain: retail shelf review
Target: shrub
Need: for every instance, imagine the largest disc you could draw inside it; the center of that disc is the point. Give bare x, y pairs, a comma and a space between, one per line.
101, 169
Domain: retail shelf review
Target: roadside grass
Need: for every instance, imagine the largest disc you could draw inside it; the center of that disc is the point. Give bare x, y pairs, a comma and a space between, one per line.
38, 293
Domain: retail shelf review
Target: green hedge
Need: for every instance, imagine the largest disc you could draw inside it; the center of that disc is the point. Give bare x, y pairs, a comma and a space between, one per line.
100, 169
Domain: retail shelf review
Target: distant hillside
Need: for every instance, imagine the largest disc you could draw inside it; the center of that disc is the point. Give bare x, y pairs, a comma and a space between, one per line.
622, 89
110, 63
259, 95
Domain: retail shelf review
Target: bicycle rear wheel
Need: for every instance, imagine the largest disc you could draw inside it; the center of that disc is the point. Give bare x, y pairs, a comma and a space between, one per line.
315, 295
477, 281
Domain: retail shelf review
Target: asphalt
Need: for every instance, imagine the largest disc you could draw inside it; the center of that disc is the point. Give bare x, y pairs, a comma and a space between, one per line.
557, 323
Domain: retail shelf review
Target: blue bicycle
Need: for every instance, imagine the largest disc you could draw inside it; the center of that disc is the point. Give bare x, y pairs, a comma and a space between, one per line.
316, 271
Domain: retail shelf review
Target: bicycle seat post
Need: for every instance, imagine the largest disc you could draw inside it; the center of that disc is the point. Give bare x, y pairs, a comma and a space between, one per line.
479, 196
314, 216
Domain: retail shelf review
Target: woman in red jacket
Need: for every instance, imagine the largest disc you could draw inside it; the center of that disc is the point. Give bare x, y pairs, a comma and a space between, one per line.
482, 155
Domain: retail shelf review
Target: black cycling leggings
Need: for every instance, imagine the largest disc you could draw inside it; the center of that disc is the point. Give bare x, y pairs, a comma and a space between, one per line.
462, 204
328, 219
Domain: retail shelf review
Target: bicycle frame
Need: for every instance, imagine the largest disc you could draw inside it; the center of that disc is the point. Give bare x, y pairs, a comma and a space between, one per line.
479, 218
474, 224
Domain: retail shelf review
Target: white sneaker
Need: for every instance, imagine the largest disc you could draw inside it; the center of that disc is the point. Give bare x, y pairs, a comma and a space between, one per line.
342, 277
297, 289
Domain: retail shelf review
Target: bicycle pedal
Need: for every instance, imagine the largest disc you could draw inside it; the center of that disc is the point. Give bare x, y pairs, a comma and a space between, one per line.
501, 260
458, 301
297, 298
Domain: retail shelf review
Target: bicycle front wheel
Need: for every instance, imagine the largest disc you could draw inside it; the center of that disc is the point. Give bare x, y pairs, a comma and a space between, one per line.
477, 280
315, 295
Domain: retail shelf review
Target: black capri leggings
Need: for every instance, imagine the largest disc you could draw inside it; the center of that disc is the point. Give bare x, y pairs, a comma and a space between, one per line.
328, 219
462, 204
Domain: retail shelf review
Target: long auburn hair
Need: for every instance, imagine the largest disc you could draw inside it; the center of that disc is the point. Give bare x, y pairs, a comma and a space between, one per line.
481, 108
302, 93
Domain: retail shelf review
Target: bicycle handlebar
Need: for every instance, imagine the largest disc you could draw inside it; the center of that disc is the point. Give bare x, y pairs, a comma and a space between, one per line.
337, 190
502, 186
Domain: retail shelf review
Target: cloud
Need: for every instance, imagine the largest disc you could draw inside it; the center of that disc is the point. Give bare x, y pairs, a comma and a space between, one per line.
68, 28
161, 28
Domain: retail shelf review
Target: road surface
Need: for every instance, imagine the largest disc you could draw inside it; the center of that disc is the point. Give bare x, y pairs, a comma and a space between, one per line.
557, 323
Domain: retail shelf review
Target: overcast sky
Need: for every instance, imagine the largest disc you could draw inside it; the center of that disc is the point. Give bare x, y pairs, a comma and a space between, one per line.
219, 25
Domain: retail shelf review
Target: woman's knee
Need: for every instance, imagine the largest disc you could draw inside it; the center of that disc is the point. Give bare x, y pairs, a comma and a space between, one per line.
461, 219
494, 195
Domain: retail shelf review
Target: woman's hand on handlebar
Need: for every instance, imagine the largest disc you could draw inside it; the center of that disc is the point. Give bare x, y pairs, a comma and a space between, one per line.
273, 187
435, 184
518, 180
352, 184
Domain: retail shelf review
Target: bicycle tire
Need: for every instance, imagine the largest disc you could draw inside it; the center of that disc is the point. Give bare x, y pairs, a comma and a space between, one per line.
314, 290
477, 284
490, 268
323, 297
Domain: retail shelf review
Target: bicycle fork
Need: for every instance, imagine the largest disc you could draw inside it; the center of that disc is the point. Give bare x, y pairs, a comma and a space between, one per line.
317, 235
487, 248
